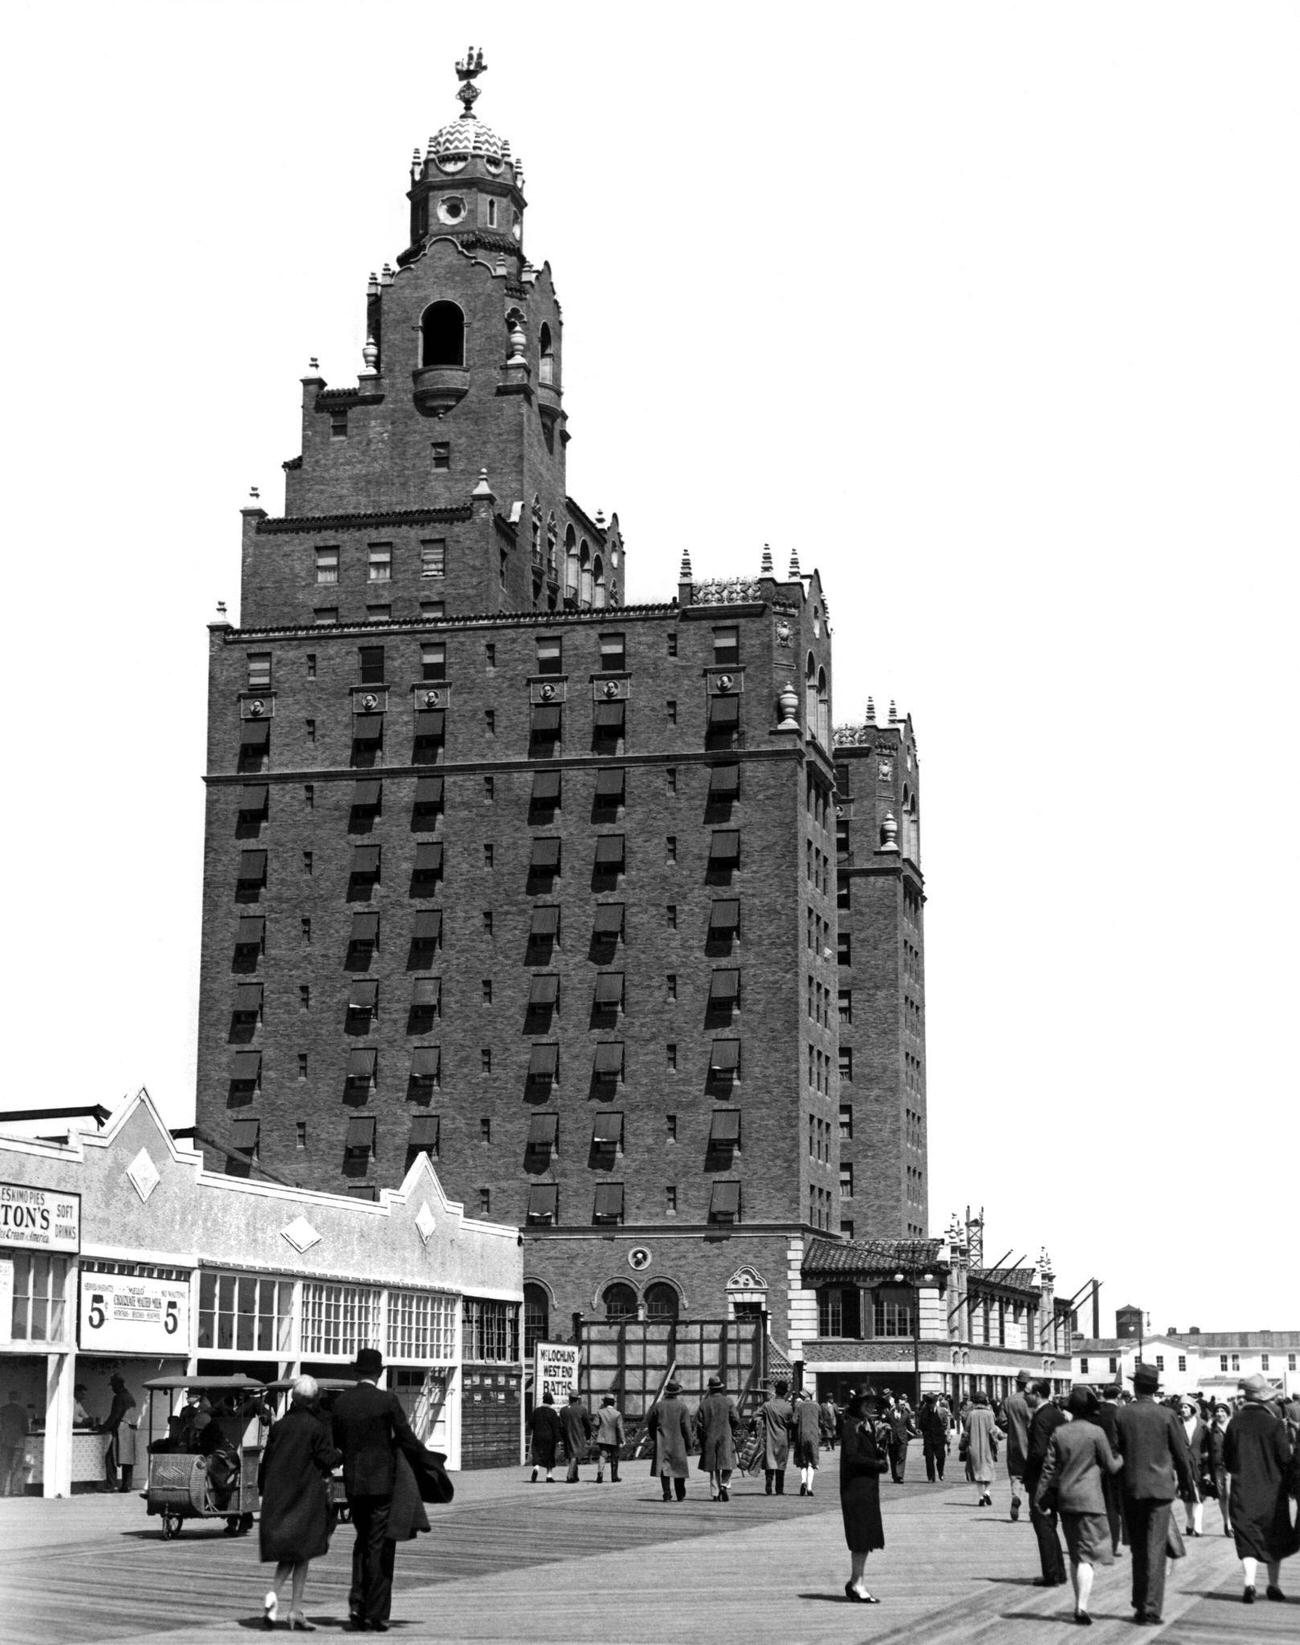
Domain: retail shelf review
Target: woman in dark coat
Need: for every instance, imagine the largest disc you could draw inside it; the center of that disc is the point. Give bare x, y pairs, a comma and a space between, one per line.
295, 1527
544, 1437
861, 1465
1257, 1455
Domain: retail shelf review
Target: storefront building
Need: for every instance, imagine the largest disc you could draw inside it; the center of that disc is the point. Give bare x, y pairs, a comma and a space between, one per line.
120, 1254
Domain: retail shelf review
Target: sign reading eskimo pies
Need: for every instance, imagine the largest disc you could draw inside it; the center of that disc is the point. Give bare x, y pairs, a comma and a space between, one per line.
555, 1371
39, 1219
126, 1314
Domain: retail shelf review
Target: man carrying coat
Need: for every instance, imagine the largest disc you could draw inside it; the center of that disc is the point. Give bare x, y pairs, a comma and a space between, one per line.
370, 1427
1156, 1467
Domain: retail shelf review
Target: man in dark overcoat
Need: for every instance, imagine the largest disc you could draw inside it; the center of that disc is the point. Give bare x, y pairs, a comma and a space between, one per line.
1015, 1422
1156, 1467
370, 1427
935, 1425
575, 1425
1044, 1416
1106, 1416
668, 1426
717, 1428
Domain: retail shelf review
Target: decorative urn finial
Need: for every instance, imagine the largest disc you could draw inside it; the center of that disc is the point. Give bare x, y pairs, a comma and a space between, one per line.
467, 71
765, 569
871, 711
795, 574
889, 833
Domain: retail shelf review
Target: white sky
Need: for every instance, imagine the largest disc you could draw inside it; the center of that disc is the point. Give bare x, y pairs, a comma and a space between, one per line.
989, 310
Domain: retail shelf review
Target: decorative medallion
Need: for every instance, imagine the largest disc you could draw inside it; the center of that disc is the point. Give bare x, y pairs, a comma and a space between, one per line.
747, 1279
257, 708
370, 702
725, 682
142, 1174
546, 693
424, 1223
783, 632
431, 699
639, 1259
885, 770
300, 1234
611, 688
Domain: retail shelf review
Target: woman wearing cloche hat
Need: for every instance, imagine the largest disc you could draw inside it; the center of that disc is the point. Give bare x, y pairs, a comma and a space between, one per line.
1257, 1456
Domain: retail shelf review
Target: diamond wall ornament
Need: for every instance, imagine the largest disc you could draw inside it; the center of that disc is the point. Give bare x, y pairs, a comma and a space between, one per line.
300, 1234
424, 1223
142, 1174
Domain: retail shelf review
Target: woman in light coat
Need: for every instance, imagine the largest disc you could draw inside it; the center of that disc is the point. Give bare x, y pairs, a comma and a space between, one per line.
979, 1439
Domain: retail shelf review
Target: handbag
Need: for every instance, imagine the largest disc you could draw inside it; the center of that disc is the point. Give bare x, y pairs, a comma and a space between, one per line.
1175, 1547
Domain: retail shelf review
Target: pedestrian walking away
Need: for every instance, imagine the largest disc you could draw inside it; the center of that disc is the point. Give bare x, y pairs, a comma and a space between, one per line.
979, 1446
1044, 1418
1105, 1416
293, 1482
861, 1464
575, 1428
1156, 1466
775, 1420
371, 1430
609, 1437
1015, 1424
717, 1431
544, 1437
807, 1441
1078, 1458
935, 1425
1257, 1454
668, 1425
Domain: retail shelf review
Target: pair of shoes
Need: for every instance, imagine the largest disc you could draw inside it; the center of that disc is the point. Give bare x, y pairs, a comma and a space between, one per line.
1248, 1596
550, 1479
724, 1495
1083, 1619
803, 1490
297, 1621
1015, 1507
1048, 1581
1274, 1592
533, 1478
1150, 1618
270, 1608
668, 1496
851, 1593
810, 1490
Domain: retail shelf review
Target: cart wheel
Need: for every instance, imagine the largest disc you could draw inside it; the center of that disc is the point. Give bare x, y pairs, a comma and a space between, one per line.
171, 1526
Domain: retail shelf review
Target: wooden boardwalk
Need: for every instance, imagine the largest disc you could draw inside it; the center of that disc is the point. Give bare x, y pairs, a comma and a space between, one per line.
512, 1562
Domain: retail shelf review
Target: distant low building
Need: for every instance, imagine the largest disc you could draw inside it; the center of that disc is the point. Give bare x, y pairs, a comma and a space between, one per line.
1210, 1363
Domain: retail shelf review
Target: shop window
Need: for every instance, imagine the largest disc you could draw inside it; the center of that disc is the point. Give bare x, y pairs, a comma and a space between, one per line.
36, 1311
244, 1313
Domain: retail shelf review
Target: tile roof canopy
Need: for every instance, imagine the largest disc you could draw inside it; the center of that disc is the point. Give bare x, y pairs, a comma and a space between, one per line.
870, 1256
1015, 1279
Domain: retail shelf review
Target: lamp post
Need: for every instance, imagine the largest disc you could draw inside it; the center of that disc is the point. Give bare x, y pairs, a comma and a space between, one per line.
913, 1279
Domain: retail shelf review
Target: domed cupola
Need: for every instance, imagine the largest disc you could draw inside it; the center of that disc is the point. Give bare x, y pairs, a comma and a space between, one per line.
467, 185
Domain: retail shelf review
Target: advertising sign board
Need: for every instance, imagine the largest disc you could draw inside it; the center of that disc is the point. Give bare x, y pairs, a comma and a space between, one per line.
128, 1314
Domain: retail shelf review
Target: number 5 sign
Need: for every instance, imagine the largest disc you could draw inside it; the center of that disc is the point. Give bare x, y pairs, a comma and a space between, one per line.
124, 1314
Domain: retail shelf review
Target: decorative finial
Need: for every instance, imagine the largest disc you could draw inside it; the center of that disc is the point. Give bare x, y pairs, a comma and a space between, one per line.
482, 489
221, 608
871, 711
254, 493
765, 568
372, 285
386, 278
889, 833
370, 354
794, 573
313, 365
600, 518
685, 575
416, 161
1044, 1262
893, 712
467, 71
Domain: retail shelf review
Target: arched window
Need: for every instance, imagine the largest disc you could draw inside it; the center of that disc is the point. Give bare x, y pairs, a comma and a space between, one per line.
537, 1317
551, 539
546, 364
598, 582
584, 574
570, 564
442, 336
823, 710
620, 1301
810, 696
662, 1301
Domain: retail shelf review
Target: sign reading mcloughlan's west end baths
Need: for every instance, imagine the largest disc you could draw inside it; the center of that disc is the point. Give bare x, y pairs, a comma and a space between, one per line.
39, 1218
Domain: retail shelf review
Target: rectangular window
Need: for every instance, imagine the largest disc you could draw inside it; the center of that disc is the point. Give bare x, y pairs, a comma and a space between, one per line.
1182, 1362
1083, 1366
433, 558
39, 1282
259, 670
846, 1182
613, 657
609, 854
671, 1057
607, 922
724, 1059
433, 609
244, 1312
724, 784
846, 1122
300, 1133
338, 425
671, 709
543, 1136
1263, 1362
608, 1208
379, 563
726, 647
543, 1065
1223, 1362
607, 1062
670, 1200
550, 657
327, 566
378, 613
724, 1202
422, 1326
543, 1200
1160, 1362
545, 859
309, 726
490, 1330
670, 916
608, 995
370, 663
545, 727
324, 615
425, 1077
670, 848
610, 787
433, 660
440, 454
485, 1060
724, 991
608, 720
338, 1319
846, 1005
670, 986
1235, 1364
672, 644
724, 848
846, 1062
311, 665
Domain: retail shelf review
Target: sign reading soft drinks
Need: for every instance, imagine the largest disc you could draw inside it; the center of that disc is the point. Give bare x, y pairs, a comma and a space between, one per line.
124, 1314
39, 1218
555, 1371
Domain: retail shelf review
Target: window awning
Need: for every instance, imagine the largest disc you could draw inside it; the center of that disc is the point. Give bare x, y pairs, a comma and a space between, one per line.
545, 922
361, 1133
251, 930
428, 793
724, 987
609, 1058
546, 787
542, 1130
361, 1064
608, 920
428, 858
255, 733
609, 1201
252, 867
607, 1130
546, 855
724, 915
426, 991
424, 1132
610, 781
543, 1201
366, 795
363, 996
543, 1060
425, 1062
609, 988
724, 1058
724, 782
368, 728
725, 1125
546, 719
365, 927
430, 724
248, 996
724, 711
543, 990
245, 1135
609, 850
724, 1202
254, 798
428, 926
609, 716
247, 1069
365, 862
725, 845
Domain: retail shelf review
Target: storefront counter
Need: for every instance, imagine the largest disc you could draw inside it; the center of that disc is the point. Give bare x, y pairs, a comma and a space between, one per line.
88, 1450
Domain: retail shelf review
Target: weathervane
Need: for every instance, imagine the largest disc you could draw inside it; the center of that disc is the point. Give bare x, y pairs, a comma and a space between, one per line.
467, 71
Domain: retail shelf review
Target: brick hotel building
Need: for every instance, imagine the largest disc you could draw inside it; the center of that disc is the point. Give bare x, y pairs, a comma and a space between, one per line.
585, 899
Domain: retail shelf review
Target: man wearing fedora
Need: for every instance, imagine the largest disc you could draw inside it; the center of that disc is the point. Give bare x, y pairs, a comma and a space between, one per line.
668, 1425
1015, 1420
717, 1428
369, 1428
1156, 1468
